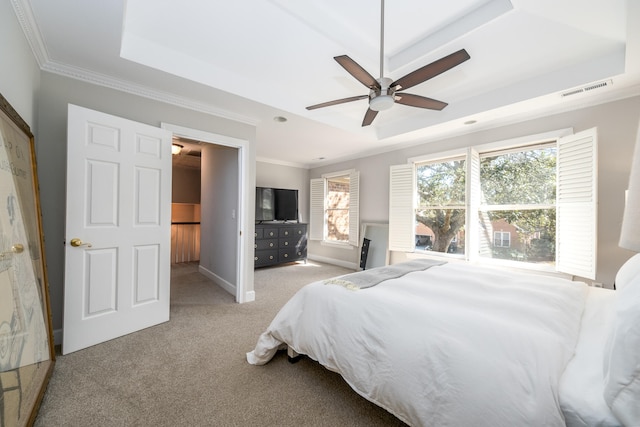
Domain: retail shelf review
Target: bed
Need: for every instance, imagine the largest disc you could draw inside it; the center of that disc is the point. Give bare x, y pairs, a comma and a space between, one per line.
453, 344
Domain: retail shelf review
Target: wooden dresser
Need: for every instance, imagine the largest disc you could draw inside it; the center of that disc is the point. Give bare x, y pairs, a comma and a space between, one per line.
280, 242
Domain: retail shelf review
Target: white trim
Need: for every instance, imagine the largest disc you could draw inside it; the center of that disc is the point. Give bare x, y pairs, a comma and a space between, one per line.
24, 13
439, 156
347, 172
333, 261
524, 140
224, 284
402, 201
245, 222
337, 245
354, 208
316, 209
577, 204
494, 145
200, 135
57, 336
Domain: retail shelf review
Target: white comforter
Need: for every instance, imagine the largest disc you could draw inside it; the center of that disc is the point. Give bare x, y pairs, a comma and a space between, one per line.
455, 345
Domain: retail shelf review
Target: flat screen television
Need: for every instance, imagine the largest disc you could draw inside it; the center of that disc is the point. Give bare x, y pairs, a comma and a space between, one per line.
276, 204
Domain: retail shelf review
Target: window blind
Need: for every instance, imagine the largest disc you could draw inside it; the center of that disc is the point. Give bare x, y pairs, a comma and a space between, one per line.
576, 213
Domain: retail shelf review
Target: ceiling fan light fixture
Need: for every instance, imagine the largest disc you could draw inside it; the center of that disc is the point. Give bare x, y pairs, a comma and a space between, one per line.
176, 149
381, 102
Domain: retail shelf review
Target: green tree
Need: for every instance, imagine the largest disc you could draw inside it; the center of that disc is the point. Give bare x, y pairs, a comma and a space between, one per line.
441, 189
526, 179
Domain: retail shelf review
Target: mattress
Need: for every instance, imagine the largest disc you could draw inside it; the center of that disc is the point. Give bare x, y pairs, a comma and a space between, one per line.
581, 385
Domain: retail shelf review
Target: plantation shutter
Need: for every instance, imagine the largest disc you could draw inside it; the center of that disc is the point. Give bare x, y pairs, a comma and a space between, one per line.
476, 225
316, 210
401, 209
577, 204
354, 207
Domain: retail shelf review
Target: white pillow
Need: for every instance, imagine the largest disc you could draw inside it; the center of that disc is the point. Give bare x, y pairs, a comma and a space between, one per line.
622, 370
628, 271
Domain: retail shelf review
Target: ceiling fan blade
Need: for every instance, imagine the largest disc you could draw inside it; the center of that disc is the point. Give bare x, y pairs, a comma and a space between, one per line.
369, 116
431, 70
337, 101
419, 101
357, 71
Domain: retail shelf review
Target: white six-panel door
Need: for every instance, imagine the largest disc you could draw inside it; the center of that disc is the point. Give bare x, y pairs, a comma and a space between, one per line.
118, 228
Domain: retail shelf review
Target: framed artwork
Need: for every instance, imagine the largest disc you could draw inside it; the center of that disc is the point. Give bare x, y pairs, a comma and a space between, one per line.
27, 355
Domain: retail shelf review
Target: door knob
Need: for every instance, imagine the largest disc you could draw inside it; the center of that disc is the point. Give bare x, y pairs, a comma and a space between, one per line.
75, 242
17, 248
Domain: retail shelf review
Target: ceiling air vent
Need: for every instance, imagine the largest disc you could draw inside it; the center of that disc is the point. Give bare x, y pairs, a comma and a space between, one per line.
587, 88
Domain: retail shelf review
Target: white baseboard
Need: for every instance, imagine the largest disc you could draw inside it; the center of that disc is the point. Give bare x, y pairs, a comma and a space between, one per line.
227, 286
338, 262
57, 337
250, 296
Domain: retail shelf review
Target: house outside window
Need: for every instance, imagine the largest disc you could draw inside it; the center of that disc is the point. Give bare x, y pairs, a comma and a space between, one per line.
334, 215
337, 209
527, 202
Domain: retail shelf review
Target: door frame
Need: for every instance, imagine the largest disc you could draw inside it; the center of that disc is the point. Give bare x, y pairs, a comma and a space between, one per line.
242, 294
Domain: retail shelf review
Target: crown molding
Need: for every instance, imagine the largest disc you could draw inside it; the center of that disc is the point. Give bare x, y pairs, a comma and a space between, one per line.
143, 91
27, 21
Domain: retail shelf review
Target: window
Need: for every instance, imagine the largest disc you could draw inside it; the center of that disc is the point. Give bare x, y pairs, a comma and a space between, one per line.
441, 211
532, 203
518, 192
501, 239
334, 208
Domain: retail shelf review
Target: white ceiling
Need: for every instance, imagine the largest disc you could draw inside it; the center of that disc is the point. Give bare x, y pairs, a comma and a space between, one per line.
253, 60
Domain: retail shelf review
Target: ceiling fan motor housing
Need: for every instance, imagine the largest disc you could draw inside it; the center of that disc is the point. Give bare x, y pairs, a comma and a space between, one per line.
382, 99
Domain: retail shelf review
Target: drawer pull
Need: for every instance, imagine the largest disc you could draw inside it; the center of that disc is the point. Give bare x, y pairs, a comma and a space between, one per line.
286, 243
270, 256
286, 255
271, 244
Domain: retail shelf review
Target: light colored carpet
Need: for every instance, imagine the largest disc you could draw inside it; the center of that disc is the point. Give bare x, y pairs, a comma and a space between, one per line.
192, 371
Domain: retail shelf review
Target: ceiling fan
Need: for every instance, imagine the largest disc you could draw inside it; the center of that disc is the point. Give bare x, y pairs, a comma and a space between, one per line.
384, 92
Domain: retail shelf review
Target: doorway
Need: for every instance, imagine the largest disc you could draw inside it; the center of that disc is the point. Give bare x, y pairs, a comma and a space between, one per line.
223, 212
185, 200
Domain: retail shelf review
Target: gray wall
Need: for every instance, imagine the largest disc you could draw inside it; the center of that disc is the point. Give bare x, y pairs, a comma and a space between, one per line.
54, 95
219, 208
617, 123
289, 177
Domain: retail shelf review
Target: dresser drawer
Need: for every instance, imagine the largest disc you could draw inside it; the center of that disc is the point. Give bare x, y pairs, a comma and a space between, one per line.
298, 230
291, 254
265, 257
266, 244
269, 233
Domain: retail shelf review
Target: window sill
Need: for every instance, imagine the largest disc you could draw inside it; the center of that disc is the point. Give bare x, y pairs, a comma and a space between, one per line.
337, 245
494, 263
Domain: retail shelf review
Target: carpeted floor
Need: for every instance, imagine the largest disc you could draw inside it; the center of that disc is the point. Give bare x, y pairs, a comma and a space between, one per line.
192, 371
